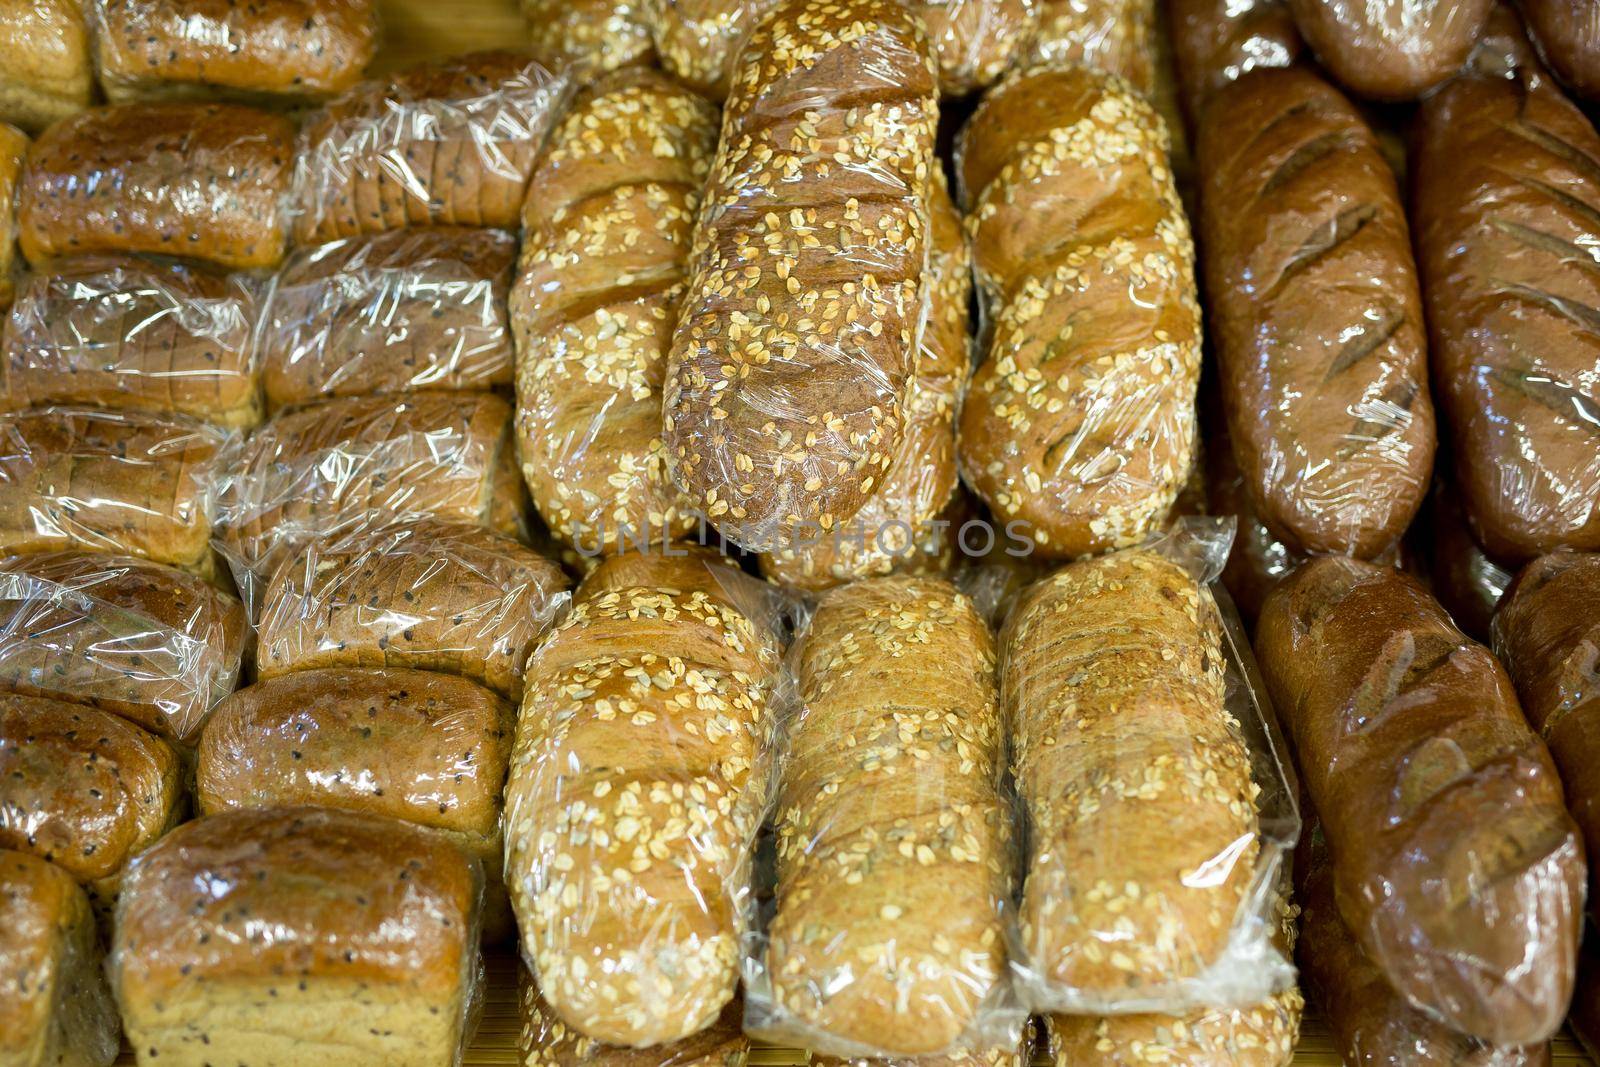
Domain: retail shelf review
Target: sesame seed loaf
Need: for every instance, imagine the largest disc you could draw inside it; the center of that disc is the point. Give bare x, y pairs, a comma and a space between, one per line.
698, 41
634, 798
447, 143
108, 481
545, 1041
1081, 422
598, 35
83, 788
1215, 41
204, 181
1133, 774
55, 1010
13, 149
390, 313
151, 643
894, 855
974, 41
298, 936
786, 384
131, 333
47, 75
1114, 36
423, 594
1458, 868
1019, 1055
1391, 49
607, 226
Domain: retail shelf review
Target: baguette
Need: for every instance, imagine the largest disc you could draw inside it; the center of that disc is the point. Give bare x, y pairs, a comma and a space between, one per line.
545, 1041
449, 143
1457, 867
390, 313
1316, 315
1214, 42
607, 223
1506, 183
1081, 423
155, 645
634, 798
1113, 36
1132, 773
597, 35
130, 333
204, 181
798, 334
155, 49
1391, 49
427, 595
1568, 37
893, 846
47, 74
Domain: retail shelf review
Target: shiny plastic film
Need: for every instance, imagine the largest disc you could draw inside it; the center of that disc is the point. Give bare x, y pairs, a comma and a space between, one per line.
154, 644
596, 35
447, 143
48, 75
1216, 41
13, 149
636, 789
698, 41
392, 312
133, 333
1458, 571
1391, 49
261, 935
1114, 36
1258, 560
1157, 801
975, 41
1568, 37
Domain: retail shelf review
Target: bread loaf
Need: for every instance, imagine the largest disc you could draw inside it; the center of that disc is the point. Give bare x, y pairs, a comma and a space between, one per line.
423, 594
698, 40
266, 937
190, 48
1457, 867
47, 74
785, 394
1459, 573
107, 481
1568, 35
449, 143
1505, 188
633, 797
390, 313
1315, 314
1391, 49
1257, 560
156, 645
598, 35
545, 1041
894, 852
974, 41
1081, 423
83, 789
130, 333
1114, 36
607, 224
55, 1010
1019, 1056
1216, 41
13, 148
203, 181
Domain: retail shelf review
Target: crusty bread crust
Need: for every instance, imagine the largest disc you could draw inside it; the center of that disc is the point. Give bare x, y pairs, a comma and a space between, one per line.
1391, 49
47, 74
545, 1041
1114, 36
597, 35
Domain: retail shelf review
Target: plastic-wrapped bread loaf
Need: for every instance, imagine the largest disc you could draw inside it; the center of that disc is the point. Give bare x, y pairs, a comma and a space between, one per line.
1114, 36
127, 332
83, 788
48, 74
1257, 561
161, 49
894, 851
607, 225
698, 40
449, 143
974, 41
1315, 314
270, 936
1458, 571
1081, 423
635, 794
1568, 35
1458, 869
109, 481
154, 644
202, 181
13, 149
1505, 195
1391, 49
55, 1009
786, 385
545, 1041
389, 313
1216, 41
599, 35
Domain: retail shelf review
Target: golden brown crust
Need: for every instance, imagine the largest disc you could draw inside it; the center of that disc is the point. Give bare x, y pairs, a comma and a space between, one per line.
47, 75
698, 40
974, 41
1568, 37
1261, 1035
1391, 49
598, 35
1113, 36
13, 149
1216, 41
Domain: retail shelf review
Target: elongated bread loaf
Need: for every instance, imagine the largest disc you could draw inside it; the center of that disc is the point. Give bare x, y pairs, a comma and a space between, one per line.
1114, 36
1568, 36
48, 73
1459, 572
1391, 49
545, 1041
599, 35
13, 149
1214, 42
974, 41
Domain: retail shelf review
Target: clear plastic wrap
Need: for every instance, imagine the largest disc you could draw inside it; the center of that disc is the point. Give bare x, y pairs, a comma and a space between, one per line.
47, 74
1080, 425
13, 149
1391, 49
786, 384
389, 313
153, 644
1567, 33
698, 41
109, 481
1216, 41
1457, 867
54, 1004
1457, 569
202, 181
447, 143
607, 226
1157, 800
1015, 1055
1258, 561
131, 333
423, 594
974, 41
636, 788
1113, 36
270, 936
596, 35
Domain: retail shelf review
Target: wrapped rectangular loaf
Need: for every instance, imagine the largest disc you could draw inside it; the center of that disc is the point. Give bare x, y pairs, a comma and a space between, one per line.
47, 74
389, 313
13, 148
785, 395
267, 936
203, 181
132, 333
545, 1041
597, 35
